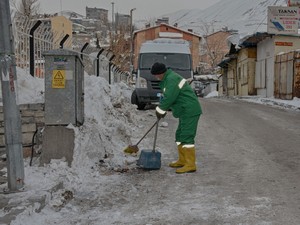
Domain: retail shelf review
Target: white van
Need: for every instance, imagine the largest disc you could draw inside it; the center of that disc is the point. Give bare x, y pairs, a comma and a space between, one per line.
174, 53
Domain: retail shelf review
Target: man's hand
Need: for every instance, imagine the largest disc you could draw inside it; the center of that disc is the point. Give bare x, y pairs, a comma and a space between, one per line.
160, 115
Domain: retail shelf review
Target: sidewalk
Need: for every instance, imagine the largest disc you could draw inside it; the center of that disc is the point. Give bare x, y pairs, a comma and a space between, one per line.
293, 104
286, 104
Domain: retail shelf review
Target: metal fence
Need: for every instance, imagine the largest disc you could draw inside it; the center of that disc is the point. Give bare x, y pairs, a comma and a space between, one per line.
33, 38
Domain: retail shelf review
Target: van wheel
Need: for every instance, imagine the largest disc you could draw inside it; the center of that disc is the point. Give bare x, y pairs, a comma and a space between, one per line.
141, 106
134, 100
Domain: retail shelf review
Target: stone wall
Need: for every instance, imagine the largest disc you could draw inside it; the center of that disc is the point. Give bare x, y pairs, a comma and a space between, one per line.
32, 117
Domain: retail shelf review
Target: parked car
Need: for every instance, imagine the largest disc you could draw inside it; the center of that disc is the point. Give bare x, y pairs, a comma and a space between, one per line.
199, 88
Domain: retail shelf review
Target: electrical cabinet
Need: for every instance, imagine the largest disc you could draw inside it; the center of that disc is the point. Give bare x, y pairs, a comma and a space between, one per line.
64, 88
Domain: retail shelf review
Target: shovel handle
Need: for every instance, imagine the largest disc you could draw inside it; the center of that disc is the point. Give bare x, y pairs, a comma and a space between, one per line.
156, 122
155, 136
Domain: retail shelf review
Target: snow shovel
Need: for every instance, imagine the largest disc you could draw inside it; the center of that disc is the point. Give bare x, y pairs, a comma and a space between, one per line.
149, 158
134, 148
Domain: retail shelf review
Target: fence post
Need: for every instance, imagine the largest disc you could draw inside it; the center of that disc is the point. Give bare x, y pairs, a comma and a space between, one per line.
82, 49
109, 68
98, 60
61, 44
31, 46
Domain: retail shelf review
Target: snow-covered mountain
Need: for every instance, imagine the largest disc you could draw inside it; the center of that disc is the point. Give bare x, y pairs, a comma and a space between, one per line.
246, 16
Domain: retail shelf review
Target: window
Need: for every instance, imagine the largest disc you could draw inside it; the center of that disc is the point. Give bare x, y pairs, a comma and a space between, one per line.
172, 60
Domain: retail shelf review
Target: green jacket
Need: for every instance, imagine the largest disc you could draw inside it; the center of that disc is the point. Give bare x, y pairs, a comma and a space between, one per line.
178, 96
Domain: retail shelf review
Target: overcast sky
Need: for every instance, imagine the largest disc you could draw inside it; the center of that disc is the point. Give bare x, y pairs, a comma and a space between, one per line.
145, 9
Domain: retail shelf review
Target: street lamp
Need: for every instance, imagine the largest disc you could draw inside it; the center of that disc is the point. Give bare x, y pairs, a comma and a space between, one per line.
61, 7
131, 41
112, 25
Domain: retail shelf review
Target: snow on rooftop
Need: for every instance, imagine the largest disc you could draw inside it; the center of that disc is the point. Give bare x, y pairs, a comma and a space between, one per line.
170, 35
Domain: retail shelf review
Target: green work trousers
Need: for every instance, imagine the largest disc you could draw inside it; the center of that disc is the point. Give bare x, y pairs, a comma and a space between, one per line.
186, 130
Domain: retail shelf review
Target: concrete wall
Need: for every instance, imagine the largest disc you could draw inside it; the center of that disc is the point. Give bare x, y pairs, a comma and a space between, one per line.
58, 143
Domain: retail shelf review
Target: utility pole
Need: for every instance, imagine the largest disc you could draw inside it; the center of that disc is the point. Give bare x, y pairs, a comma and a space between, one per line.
61, 7
12, 118
112, 26
131, 41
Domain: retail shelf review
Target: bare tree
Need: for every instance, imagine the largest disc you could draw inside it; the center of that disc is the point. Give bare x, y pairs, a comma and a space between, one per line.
27, 8
214, 46
122, 50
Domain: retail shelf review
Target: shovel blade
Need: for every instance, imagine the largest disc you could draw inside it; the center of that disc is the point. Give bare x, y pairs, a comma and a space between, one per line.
149, 160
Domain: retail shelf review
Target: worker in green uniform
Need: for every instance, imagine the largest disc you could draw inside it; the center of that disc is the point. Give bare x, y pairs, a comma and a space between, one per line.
179, 97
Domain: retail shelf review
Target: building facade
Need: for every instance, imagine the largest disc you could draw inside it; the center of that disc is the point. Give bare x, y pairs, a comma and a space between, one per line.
122, 21
265, 65
61, 26
214, 47
97, 14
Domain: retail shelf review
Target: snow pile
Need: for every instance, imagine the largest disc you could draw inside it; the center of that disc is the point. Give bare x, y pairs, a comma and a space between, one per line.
109, 127
110, 121
208, 77
212, 94
30, 89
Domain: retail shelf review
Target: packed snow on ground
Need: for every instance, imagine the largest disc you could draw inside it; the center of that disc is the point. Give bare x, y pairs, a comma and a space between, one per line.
293, 104
110, 120
111, 123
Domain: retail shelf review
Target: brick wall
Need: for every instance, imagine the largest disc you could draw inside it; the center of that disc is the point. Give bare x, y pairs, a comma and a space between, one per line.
32, 117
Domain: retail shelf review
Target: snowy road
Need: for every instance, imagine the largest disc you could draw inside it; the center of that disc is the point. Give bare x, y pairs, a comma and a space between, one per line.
248, 172
250, 158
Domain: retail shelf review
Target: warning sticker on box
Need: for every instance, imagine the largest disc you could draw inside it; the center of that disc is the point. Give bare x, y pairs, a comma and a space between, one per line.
58, 79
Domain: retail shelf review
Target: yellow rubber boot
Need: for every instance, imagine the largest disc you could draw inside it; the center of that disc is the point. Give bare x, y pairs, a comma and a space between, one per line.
190, 158
181, 161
